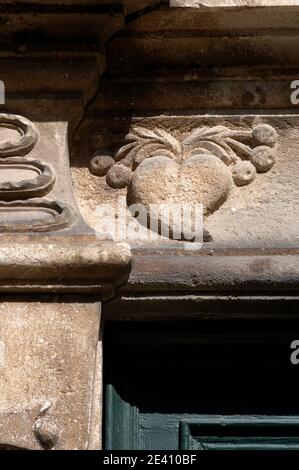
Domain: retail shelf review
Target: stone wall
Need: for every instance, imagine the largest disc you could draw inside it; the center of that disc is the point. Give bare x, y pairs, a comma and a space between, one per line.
151, 103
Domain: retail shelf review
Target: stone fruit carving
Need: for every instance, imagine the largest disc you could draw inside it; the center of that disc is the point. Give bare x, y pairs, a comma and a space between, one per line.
201, 168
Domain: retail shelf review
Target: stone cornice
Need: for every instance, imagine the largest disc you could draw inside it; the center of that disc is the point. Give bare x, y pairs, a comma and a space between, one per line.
90, 22
69, 267
209, 286
210, 4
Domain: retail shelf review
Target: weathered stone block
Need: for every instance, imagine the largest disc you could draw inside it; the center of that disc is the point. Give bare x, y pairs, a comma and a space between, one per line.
231, 3
47, 375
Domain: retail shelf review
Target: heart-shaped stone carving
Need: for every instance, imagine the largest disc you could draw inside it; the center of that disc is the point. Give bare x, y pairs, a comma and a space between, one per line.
161, 169
201, 179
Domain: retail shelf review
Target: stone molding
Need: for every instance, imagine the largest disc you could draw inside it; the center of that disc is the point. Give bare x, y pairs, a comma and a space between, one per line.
231, 3
68, 267
74, 259
20, 206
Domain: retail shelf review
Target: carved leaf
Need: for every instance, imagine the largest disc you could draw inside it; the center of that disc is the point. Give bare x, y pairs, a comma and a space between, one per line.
124, 150
204, 133
144, 133
231, 146
214, 149
147, 150
158, 136
172, 142
211, 140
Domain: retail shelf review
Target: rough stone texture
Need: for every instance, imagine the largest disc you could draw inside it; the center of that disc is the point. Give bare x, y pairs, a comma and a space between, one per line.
263, 213
174, 70
32, 196
231, 3
100, 163
102, 262
37, 204
219, 70
243, 173
201, 179
119, 176
95, 434
48, 360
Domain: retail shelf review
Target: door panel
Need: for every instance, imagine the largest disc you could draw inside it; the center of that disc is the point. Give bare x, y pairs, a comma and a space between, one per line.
201, 386
240, 433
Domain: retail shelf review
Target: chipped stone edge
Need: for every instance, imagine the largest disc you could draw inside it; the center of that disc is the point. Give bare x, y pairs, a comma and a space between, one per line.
229, 4
94, 267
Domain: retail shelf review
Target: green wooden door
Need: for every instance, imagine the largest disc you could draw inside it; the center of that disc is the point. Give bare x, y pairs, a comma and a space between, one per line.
201, 386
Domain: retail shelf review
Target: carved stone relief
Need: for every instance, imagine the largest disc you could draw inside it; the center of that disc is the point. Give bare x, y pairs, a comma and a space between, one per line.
53, 248
24, 180
201, 168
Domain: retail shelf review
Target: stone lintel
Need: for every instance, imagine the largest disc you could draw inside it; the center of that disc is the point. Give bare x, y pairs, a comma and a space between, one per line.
231, 3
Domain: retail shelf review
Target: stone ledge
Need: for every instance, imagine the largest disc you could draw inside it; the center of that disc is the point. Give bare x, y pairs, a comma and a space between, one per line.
58, 267
231, 3
235, 271
131, 306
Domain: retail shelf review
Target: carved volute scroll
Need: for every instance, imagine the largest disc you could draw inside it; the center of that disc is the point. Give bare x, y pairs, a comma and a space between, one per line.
24, 180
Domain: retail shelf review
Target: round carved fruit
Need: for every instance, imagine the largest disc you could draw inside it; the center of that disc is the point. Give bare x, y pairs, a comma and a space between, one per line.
263, 158
243, 173
263, 134
100, 164
201, 179
119, 176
